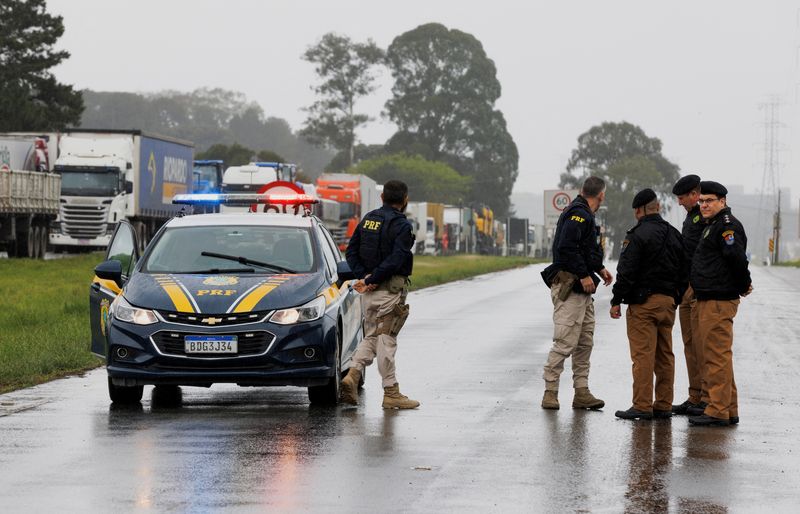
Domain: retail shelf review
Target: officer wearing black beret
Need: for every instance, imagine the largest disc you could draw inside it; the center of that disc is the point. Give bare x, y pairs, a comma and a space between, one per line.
651, 279
687, 191
719, 277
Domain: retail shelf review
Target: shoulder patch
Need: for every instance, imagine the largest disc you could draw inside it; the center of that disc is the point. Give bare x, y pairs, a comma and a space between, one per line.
625, 244
577, 218
728, 237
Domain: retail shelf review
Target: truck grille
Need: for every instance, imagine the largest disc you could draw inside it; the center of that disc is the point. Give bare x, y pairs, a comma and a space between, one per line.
84, 221
219, 320
249, 343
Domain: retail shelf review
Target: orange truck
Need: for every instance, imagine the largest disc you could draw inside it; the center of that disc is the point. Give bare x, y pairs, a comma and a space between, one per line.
356, 194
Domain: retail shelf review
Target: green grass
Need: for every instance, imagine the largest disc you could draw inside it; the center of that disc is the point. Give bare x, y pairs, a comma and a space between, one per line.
44, 319
430, 271
44, 310
795, 264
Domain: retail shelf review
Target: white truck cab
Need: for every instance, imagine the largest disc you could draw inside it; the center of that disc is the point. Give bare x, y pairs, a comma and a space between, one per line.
251, 178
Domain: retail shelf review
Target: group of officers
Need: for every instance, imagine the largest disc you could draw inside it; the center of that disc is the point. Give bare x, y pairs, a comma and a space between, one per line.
702, 272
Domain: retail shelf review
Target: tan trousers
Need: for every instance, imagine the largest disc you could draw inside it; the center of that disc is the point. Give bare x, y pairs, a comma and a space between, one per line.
573, 321
692, 347
650, 338
375, 304
716, 330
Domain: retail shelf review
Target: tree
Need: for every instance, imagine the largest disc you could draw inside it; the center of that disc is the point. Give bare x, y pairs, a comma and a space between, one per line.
629, 161
347, 72
269, 156
427, 180
233, 155
30, 96
443, 104
340, 161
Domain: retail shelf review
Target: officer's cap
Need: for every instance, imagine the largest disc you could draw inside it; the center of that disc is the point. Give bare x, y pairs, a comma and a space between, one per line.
643, 197
709, 187
685, 184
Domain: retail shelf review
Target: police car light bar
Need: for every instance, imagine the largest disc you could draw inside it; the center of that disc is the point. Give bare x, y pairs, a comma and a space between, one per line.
243, 199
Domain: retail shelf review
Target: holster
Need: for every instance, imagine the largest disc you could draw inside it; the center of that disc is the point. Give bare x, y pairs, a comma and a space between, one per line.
391, 322
564, 282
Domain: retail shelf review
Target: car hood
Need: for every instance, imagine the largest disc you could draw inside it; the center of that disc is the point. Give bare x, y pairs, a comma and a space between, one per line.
219, 294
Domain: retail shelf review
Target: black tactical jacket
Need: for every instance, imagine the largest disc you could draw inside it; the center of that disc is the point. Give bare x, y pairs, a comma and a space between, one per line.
693, 227
719, 267
381, 246
576, 246
652, 261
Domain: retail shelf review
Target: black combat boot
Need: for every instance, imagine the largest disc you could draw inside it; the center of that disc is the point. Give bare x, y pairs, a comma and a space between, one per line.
633, 414
683, 408
708, 421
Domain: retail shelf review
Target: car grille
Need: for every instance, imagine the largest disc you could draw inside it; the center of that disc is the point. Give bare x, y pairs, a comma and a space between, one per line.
84, 221
249, 343
212, 320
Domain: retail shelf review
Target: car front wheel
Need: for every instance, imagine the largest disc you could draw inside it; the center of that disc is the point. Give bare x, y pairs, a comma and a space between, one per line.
125, 395
328, 394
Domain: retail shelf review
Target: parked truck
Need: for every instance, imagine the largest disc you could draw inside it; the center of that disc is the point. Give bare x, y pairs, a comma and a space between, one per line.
28, 194
253, 177
110, 175
356, 194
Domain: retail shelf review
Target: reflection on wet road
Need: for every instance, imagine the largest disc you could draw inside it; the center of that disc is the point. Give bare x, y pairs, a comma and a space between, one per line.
472, 354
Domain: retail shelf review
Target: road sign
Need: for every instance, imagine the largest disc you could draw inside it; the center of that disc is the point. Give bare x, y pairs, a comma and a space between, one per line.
555, 201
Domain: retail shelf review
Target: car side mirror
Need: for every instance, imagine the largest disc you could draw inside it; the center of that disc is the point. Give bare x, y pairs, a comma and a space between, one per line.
344, 272
110, 270
128, 187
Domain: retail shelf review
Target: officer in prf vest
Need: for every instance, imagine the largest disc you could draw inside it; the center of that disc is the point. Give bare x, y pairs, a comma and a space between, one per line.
379, 253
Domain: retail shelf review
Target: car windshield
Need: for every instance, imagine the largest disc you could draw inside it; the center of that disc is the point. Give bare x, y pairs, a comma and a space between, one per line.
180, 249
89, 183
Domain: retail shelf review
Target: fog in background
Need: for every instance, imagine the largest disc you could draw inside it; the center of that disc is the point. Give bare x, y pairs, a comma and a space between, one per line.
689, 73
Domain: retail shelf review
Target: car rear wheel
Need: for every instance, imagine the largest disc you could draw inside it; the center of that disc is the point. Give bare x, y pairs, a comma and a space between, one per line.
124, 394
328, 394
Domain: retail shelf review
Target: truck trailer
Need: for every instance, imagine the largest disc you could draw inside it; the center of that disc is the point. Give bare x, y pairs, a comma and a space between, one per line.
111, 175
28, 195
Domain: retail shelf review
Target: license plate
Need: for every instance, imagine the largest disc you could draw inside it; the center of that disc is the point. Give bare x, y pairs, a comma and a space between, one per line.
210, 344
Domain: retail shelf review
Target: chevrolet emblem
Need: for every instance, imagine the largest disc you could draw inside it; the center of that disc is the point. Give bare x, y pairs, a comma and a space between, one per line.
211, 321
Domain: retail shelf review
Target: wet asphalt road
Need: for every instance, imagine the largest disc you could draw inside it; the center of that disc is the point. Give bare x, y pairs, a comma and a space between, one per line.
472, 353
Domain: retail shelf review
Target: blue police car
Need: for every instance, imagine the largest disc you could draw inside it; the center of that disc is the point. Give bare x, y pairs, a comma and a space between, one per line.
253, 299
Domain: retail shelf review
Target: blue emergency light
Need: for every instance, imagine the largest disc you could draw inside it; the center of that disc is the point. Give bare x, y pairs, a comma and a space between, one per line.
207, 162
243, 199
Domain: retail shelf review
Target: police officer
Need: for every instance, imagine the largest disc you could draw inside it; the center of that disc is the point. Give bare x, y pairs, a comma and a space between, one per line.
719, 276
651, 279
379, 253
687, 190
572, 278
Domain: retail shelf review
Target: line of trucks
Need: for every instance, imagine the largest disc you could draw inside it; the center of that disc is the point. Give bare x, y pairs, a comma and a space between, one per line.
67, 190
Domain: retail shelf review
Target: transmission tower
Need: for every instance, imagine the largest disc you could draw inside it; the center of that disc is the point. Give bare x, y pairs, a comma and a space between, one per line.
770, 199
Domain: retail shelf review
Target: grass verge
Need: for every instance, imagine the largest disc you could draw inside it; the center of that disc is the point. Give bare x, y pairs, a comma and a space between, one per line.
44, 319
44, 310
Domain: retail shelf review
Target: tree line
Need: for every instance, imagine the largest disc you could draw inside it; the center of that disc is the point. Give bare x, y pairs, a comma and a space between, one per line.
452, 145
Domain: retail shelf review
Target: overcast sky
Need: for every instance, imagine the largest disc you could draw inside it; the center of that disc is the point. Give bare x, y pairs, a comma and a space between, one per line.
690, 73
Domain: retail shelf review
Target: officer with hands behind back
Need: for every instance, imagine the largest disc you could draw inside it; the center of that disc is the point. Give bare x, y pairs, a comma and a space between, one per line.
572, 278
687, 191
719, 277
651, 279
379, 253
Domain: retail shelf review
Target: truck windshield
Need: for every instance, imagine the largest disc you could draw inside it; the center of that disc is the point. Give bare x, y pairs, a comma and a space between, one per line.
77, 182
347, 210
205, 179
181, 249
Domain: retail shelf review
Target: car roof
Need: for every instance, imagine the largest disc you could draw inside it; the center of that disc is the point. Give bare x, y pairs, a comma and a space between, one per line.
264, 219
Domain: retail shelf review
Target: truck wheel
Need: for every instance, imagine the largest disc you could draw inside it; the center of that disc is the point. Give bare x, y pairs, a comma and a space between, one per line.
124, 395
36, 244
45, 240
24, 245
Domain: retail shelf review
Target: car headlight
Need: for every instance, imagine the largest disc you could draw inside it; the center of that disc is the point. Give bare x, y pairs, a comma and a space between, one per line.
308, 312
124, 311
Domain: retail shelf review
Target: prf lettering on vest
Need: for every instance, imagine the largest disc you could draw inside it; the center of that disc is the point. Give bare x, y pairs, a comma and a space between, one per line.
372, 225
578, 219
216, 292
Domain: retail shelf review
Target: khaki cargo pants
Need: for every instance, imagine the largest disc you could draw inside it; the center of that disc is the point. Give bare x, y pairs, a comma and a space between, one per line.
385, 312
573, 319
650, 337
692, 347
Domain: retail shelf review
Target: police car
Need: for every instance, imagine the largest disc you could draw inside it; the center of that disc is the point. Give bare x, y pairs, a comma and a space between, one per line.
253, 299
